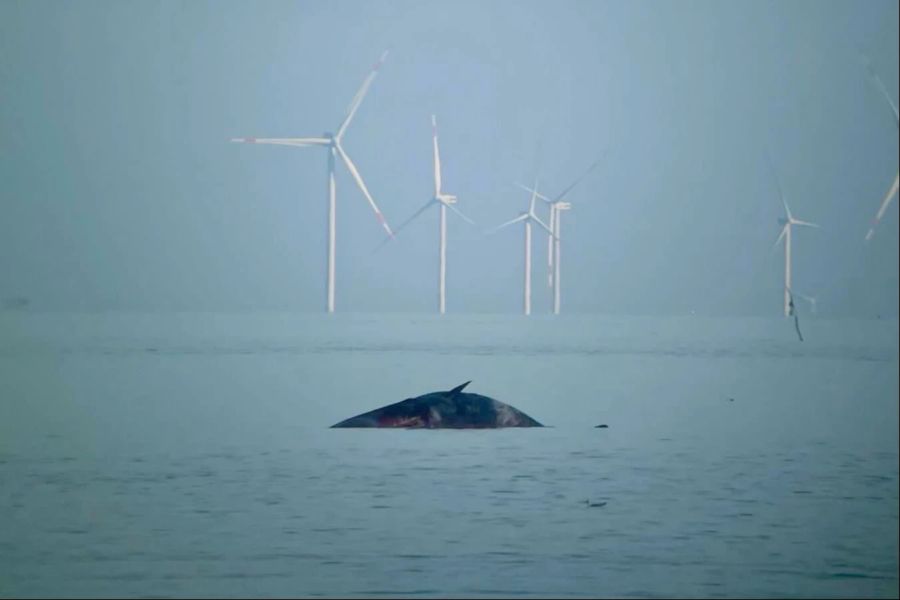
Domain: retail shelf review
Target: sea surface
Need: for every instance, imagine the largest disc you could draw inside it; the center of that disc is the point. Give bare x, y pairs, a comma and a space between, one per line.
190, 455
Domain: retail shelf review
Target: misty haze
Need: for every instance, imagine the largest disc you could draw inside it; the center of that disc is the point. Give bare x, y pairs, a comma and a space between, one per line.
617, 282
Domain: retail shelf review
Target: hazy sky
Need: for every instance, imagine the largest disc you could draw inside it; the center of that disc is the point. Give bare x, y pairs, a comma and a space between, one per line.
121, 190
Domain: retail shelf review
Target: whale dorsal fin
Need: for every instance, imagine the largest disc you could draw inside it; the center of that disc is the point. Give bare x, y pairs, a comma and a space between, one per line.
455, 391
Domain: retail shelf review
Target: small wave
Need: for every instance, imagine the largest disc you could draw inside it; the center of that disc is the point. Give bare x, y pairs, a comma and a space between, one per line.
852, 575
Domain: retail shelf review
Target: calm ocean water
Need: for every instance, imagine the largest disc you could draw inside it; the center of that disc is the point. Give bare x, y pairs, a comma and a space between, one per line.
189, 455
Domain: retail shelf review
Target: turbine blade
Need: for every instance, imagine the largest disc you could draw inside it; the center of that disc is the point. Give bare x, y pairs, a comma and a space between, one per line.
780, 236
577, 181
459, 212
778, 183
804, 223
362, 186
360, 95
787, 209
874, 76
533, 197
888, 197
518, 219
884, 204
544, 225
437, 158
409, 220
535, 192
283, 141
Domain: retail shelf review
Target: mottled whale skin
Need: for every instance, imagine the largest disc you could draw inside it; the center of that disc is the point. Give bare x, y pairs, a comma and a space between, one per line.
453, 409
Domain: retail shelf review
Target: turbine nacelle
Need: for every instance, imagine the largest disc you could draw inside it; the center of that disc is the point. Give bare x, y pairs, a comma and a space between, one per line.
446, 199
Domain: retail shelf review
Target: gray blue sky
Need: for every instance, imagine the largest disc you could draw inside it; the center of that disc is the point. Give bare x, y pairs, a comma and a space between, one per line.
121, 190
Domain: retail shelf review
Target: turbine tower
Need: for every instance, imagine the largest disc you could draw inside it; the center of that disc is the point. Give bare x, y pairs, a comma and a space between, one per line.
332, 142
445, 201
893, 190
788, 221
527, 218
557, 209
557, 205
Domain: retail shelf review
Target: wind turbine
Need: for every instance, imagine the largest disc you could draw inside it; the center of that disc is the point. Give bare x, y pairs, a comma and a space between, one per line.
527, 218
788, 221
332, 142
893, 190
445, 201
557, 205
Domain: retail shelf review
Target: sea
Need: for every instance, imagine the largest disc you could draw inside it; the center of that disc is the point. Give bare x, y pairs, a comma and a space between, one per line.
191, 455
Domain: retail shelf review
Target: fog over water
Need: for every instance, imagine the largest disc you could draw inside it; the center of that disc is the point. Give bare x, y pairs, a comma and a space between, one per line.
122, 191
168, 375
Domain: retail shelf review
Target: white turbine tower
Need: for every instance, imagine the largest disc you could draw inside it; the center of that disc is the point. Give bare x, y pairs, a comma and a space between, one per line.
527, 218
445, 201
332, 141
788, 221
557, 205
893, 190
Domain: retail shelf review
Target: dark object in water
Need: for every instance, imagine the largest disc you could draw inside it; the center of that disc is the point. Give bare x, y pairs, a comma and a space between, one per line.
454, 409
594, 504
792, 310
15, 303
601, 426
797, 327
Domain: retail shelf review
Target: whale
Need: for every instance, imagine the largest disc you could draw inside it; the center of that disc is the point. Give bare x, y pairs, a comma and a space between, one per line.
453, 409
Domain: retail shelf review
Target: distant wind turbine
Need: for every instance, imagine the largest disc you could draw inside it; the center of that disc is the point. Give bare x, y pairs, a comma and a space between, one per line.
893, 190
332, 141
527, 218
788, 221
557, 205
445, 201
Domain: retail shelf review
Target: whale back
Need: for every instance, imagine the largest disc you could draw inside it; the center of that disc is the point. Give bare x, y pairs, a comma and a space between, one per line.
453, 409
